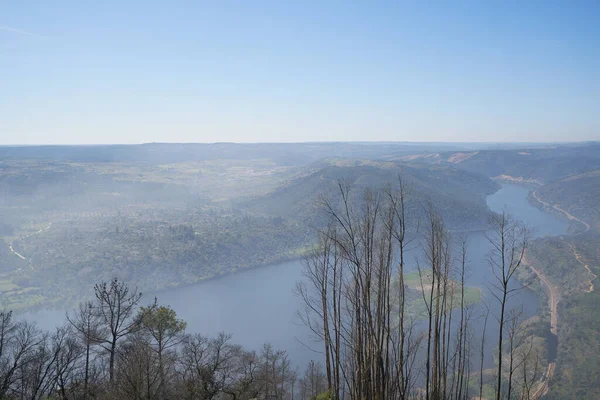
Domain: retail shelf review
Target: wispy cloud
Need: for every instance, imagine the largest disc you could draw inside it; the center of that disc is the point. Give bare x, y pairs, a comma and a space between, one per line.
4, 28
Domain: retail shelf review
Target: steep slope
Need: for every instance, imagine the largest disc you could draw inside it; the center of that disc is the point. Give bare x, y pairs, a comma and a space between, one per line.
579, 197
458, 195
572, 264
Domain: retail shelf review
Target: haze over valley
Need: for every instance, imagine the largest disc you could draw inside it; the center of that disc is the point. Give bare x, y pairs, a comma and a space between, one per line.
223, 234
275, 200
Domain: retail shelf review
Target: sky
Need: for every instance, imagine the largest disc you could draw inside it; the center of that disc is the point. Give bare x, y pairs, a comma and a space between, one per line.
82, 72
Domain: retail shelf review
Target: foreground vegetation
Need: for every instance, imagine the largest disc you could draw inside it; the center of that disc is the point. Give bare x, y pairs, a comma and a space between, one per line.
112, 349
358, 301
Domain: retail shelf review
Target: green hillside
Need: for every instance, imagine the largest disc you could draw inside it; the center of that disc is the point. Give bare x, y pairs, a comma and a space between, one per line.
458, 195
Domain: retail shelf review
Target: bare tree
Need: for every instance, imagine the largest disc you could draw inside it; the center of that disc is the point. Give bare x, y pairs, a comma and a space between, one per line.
509, 239
430, 289
364, 241
482, 349
355, 300
115, 308
398, 227
35, 376
8, 360
18, 342
530, 369
67, 364
85, 322
275, 372
244, 382
515, 340
207, 364
138, 375
320, 295
314, 381
461, 357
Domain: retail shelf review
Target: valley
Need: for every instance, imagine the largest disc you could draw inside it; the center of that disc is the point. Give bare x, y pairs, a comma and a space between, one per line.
299, 200
223, 241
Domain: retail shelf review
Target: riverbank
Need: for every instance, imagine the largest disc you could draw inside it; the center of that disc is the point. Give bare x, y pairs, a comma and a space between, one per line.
535, 200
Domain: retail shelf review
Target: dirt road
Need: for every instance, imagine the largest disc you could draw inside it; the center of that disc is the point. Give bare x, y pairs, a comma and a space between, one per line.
557, 208
553, 294
543, 388
10, 247
16, 253
587, 267
553, 304
553, 298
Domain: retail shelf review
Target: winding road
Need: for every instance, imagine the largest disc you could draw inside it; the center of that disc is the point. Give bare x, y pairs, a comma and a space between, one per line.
557, 208
553, 303
21, 256
587, 267
16, 253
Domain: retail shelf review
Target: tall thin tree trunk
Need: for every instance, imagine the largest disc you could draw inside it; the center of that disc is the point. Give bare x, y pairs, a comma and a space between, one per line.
482, 353
500, 335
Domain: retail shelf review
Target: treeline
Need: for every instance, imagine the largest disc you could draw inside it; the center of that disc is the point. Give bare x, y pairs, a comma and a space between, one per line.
355, 300
111, 348
157, 248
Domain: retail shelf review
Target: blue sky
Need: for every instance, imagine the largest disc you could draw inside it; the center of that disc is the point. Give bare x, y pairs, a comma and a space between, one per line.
260, 71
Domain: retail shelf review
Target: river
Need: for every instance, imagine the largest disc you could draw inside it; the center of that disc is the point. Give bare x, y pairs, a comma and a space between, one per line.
259, 305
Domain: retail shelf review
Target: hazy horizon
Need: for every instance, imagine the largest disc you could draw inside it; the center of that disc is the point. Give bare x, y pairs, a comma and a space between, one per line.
406, 142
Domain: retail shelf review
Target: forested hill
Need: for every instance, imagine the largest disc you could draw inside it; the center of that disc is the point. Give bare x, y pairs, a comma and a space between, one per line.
578, 194
536, 164
66, 224
458, 195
